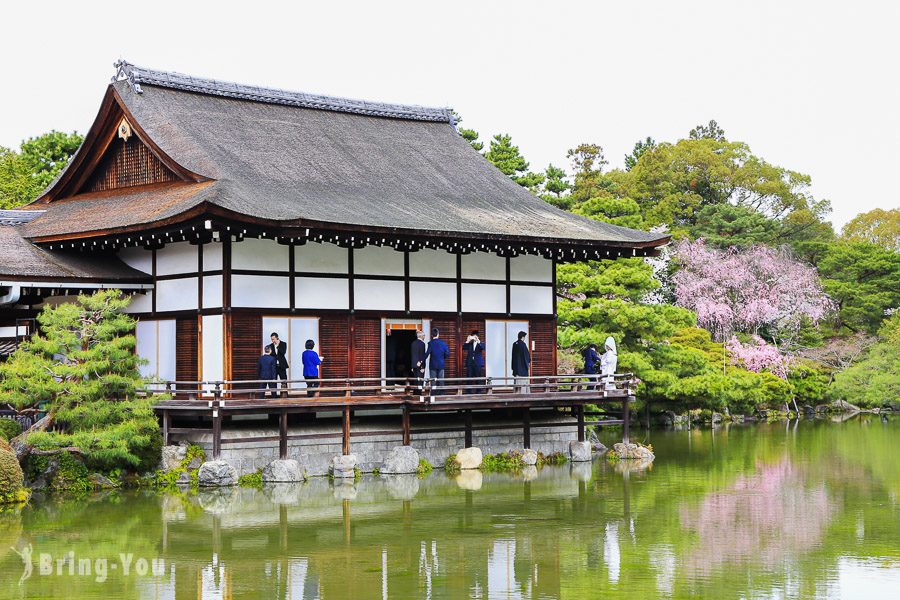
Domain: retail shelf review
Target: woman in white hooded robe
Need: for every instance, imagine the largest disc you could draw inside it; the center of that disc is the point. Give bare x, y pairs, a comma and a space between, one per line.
608, 362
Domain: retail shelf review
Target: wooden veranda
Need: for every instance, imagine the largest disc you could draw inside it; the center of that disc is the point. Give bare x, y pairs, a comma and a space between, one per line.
212, 402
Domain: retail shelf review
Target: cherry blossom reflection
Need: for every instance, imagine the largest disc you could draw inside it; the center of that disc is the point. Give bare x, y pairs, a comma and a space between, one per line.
763, 519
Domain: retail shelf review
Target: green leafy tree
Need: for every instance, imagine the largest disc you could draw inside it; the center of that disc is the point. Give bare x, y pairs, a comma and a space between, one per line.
588, 161
82, 369
640, 147
875, 380
556, 181
25, 174
470, 135
507, 157
710, 131
864, 282
881, 227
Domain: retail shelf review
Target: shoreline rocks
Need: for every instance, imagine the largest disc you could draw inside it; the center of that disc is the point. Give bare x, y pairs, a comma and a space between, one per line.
216, 473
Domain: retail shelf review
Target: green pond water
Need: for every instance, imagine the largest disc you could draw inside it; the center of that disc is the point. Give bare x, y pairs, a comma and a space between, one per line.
807, 509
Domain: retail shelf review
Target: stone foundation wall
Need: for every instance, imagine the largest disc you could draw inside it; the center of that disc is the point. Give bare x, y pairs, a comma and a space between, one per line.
315, 455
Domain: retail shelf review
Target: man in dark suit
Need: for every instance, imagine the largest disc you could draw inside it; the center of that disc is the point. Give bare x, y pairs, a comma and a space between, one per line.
521, 363
279, 351
474, 362
417, 358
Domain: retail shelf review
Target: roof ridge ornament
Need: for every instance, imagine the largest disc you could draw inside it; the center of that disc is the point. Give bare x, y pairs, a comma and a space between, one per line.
125, 71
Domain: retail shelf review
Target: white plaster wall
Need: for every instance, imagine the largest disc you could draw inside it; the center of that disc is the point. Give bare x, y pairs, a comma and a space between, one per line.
375, 260
432, 263
483, 297
260, 255
531, 299
137, 258
258, 291
212, 335
321, 292
321, 258
176, 259
212, 257
530, 268
432, 296
140, 303
372, 294
483, 265
212, 291
176, 294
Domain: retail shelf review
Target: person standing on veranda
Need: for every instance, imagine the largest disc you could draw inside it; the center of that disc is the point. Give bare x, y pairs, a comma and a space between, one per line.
266, 372
311, 361
438, 352
474, 349
521, 363
279, 351
609, 362
591, 361
417, 352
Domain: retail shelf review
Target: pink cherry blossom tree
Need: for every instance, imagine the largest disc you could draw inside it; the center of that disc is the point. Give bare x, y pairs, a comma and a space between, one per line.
745, 290
758, 356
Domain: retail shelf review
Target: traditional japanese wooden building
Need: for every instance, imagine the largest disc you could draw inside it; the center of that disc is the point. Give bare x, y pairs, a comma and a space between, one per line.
232, 211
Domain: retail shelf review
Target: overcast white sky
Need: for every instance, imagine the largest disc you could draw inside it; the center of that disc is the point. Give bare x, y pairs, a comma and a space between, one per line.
811, 85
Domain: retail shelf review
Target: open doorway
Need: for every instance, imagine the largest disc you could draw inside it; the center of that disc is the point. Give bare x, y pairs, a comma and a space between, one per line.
396, 345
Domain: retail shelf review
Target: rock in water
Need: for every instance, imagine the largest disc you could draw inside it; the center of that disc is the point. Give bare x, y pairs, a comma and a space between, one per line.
401, 460
469, 458
284, 471
101, 482
632, 451
402, 487
184, 478
529, 457
216, 473
470, 479
172, 457
343, 466
580, 451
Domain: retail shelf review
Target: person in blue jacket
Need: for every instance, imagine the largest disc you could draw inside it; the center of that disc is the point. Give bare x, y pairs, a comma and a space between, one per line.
474, 349
266, 371
311, 361
438, 352
591, 361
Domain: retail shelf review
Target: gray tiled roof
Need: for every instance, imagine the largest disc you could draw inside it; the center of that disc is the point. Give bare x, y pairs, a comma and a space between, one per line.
136, 76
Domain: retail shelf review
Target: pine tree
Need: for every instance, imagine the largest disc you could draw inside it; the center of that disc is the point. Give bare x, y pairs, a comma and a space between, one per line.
83, 371
510, 161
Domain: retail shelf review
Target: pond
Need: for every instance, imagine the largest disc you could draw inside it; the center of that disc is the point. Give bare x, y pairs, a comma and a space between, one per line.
807, 509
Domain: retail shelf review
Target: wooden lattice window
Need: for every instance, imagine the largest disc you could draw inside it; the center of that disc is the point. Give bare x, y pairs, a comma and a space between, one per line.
128, 163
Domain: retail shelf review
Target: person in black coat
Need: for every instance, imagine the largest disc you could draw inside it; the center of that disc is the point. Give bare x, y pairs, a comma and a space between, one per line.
266, 372
474, 349
417, 358
279, 351
521, 363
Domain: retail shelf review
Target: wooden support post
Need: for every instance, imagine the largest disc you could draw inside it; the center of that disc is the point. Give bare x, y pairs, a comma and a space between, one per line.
579, 411
217, 429
166, 423
282, 435
406, 436
345, 448
626, 416
526, 428
468, 442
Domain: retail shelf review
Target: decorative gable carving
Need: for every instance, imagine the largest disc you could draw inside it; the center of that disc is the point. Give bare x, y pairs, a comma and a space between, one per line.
127, 162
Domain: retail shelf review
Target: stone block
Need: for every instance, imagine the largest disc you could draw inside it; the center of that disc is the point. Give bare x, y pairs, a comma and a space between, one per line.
402, 459
343, 466
469, 458
287, 471
172, 457
580, 451
529, 457
216, 473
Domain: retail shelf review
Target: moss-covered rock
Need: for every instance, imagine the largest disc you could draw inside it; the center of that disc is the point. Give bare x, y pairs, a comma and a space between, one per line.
11, 479
58, 472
